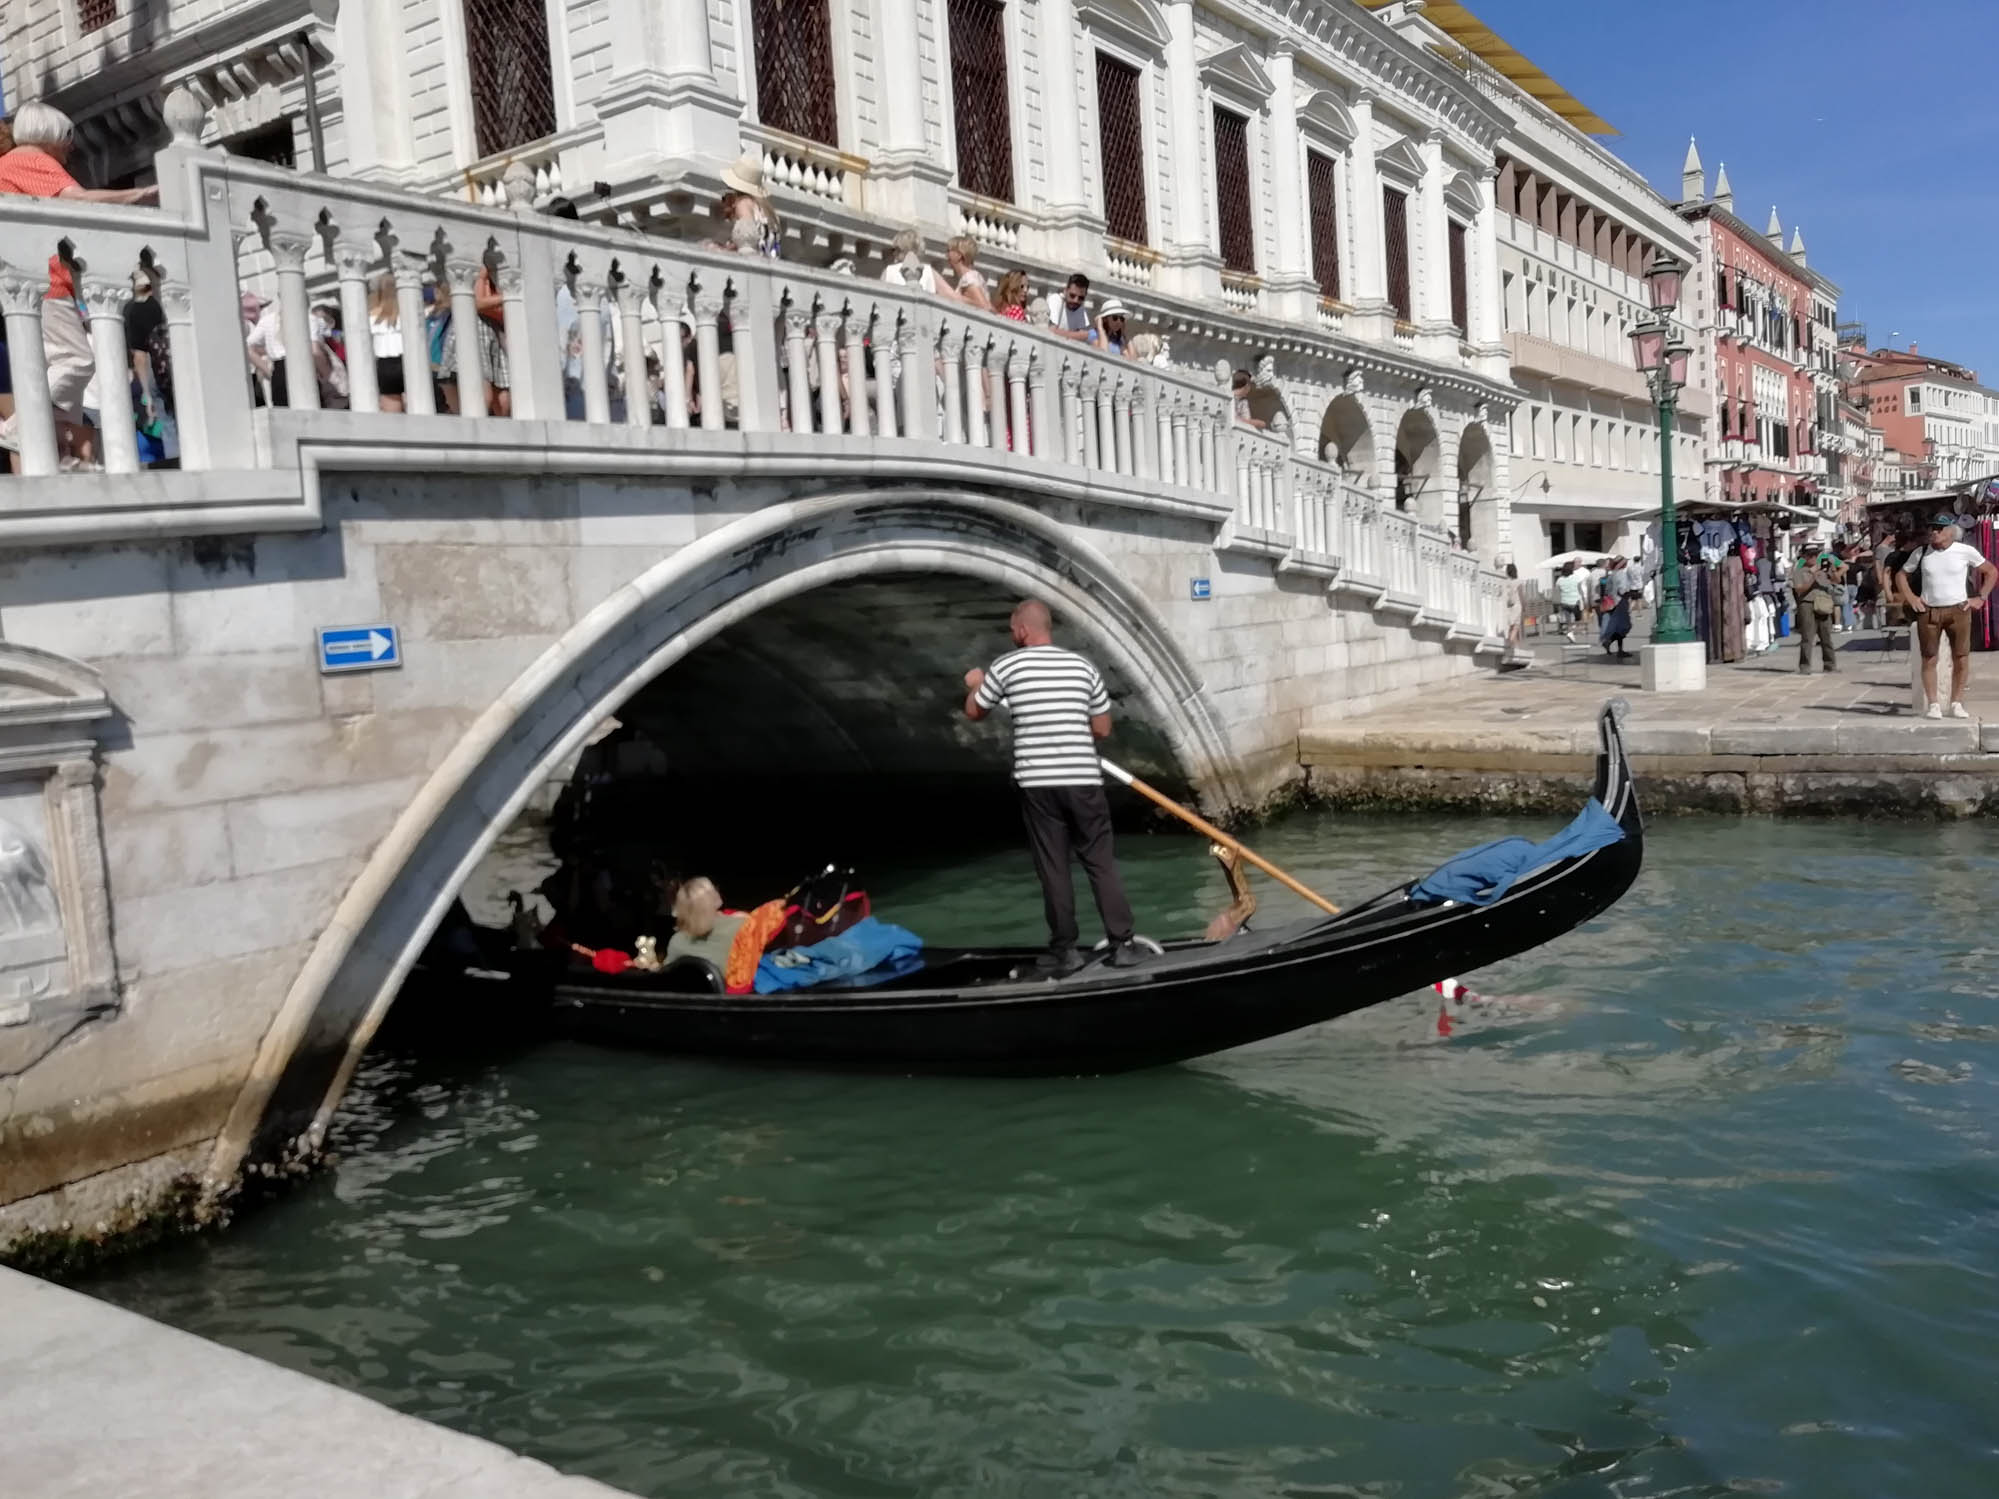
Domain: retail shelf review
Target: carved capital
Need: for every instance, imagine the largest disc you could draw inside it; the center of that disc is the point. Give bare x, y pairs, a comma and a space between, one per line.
106, 298
354, 259
797, 325
951, 344
1037, 370
1016, 365
855, 325
589, 295
21, 292
289, 249
177, 297
462, 276
511, 282
707, 310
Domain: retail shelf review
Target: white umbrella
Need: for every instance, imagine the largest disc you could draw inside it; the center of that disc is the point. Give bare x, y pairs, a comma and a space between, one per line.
1553, 564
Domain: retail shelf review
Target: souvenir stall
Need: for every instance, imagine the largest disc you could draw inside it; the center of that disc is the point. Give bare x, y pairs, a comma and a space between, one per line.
1735, 566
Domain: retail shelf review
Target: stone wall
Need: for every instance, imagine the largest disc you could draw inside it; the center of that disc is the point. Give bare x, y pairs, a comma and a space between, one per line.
279, 842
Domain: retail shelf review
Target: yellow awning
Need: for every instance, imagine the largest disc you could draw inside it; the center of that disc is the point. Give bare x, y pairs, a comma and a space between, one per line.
1489, 47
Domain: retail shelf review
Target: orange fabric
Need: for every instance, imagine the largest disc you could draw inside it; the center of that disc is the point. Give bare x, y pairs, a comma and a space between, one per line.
758, 928
30, 172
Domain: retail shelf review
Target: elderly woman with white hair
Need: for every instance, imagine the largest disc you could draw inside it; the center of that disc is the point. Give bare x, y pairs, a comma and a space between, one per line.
37, 167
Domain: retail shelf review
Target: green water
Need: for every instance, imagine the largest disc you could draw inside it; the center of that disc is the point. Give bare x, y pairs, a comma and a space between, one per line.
1712, 1209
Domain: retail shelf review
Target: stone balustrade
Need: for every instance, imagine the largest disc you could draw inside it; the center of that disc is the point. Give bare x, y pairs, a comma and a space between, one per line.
694, 355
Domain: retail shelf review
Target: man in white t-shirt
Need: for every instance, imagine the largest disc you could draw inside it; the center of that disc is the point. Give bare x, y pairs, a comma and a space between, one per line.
1936, 584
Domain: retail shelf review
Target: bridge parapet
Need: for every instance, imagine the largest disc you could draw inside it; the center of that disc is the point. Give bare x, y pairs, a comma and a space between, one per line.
743, 365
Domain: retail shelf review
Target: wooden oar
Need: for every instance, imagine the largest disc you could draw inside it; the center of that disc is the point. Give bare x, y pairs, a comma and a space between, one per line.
1201, 825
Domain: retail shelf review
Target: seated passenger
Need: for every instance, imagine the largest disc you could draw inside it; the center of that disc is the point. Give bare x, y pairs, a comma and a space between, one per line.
701, 929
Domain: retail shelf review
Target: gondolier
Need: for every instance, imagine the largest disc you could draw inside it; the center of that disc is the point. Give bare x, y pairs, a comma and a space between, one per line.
1060, 710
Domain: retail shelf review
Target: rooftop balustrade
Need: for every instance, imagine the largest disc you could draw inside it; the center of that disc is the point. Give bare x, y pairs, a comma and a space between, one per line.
682, 359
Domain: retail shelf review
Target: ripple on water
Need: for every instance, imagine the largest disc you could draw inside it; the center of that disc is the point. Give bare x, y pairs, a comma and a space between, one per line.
1704, 1207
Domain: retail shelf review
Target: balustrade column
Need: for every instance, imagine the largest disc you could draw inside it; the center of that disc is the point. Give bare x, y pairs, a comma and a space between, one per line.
1016, 399
1245, 503
1070, 398
855, 327
885, 379
825, 328
21, 294
708, 361
916, 380
993, 384
419, 386
1037, 408
798, 367
463, 278
672, 363
522, 354
1205, 452
630, 297
1107, 453
295, 322
975, 391
351, 260
590, 339
1088, 447
1126, 460
193, 408
952, 351
1162, 417
115, 428
1183, 457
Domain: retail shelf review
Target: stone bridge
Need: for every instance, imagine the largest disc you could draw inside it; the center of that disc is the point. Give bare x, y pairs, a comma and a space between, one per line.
216, 863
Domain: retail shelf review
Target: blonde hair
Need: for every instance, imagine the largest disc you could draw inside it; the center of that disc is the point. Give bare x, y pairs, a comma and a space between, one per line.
1011, 291
696, 904
1144, 346
382, 306
966, 247
908, 245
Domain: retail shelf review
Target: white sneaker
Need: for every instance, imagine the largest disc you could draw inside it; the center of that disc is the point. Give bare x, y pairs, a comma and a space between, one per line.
1957, 711
1935, 710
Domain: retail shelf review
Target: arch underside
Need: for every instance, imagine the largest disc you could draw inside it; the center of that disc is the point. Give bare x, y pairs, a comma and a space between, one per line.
859, 611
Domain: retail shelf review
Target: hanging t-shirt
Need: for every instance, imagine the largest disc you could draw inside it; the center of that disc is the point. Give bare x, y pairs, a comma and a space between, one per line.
1945, 573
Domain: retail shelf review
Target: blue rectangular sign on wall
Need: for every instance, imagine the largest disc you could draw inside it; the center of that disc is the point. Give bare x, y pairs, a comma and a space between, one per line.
1197, 588
360, 648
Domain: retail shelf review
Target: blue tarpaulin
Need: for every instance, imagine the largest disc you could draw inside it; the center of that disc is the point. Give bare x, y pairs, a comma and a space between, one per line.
866, 952
1479, 876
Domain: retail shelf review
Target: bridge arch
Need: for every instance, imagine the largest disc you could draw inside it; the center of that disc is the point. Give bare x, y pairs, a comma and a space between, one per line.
640, 632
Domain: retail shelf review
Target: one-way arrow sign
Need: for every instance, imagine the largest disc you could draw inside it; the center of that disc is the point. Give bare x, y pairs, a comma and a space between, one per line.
359, 648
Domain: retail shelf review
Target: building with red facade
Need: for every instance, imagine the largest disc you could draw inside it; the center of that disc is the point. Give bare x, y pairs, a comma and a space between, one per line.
1932, 411
1757, 337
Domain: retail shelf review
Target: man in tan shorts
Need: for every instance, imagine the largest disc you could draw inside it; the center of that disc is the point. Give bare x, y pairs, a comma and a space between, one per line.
1940, 596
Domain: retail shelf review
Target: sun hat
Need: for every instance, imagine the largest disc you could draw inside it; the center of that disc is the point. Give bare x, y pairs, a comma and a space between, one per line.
746, 174
1943, 519
1112, 308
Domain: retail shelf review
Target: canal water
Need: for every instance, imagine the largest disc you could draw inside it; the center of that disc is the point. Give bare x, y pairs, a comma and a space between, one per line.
1706, 1205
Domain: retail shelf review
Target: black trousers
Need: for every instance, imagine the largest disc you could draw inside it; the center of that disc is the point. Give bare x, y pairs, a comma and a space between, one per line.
1065, 820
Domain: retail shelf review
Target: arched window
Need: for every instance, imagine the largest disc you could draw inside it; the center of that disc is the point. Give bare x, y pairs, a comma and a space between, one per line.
513, 90
794, 47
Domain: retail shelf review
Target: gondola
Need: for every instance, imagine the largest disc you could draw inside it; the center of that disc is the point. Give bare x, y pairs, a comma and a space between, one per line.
983, 1010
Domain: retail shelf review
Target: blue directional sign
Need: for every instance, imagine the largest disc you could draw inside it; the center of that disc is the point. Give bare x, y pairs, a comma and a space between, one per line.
359, 648
1197, 588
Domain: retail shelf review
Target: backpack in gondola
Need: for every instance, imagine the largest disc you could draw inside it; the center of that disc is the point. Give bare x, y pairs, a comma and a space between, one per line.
820, 906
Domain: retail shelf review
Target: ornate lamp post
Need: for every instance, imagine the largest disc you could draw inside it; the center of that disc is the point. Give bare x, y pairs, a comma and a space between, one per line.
1663, 359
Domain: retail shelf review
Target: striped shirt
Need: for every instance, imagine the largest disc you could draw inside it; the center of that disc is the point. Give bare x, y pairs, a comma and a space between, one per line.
1052, 695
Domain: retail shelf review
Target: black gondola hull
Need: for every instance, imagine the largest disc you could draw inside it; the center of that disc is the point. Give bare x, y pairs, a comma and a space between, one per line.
962, 1013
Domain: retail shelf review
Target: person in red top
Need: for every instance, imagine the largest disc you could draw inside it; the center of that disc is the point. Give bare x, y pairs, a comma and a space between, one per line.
37, 168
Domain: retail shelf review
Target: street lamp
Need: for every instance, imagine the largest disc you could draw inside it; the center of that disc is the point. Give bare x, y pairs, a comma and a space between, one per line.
1663, 359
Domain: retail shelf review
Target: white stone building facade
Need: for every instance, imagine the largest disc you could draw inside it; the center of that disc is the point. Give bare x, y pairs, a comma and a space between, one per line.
1303, 191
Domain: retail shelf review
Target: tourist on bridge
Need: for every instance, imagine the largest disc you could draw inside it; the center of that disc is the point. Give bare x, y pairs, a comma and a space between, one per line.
1060, 710
1943, 603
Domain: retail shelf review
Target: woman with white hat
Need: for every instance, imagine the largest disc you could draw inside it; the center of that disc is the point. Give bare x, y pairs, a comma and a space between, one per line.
747, 203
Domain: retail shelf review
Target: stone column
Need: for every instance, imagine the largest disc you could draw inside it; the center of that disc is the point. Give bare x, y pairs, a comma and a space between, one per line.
463, 276
952, 354
295, 322
1073, 234
1367, 277
352, 258
21, 293
1191, 267
1038, 417
854, 329
918, 383
1290, 290
106, 302
419, 388
663, 100
590, 335
630, 297
194, 406
1487, 286
907, 174
798, 370
375, 92
707, 360
826, 329
1432, 292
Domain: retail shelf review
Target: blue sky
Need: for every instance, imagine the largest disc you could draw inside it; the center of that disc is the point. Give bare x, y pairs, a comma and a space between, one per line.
1874, 124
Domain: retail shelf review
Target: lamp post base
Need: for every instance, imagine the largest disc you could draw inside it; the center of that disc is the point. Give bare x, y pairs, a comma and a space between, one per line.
1676, 667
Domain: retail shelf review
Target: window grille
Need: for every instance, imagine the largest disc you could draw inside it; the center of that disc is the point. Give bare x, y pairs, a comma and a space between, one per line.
1321, 184
979, 98
1460, 285
1395, 240
1233, 215
1121, 150
93, 15
506, 53
794, 47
